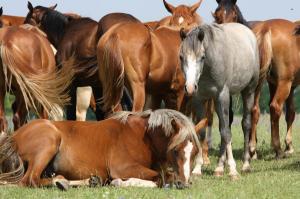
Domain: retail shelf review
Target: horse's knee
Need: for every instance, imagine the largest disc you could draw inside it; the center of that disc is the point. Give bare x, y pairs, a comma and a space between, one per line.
275, 110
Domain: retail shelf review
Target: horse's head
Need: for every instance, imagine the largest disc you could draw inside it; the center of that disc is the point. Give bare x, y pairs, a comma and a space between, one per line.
183, 16
36, 14
227, 11
175, 144
192, 57
1, 12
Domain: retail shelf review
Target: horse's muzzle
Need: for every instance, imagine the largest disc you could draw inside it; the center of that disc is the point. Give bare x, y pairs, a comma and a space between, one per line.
191, 89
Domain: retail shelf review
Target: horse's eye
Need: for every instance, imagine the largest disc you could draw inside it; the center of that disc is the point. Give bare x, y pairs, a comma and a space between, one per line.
175, 152
181, 57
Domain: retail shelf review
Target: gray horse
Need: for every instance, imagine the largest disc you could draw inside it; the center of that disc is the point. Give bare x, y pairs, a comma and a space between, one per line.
219, 61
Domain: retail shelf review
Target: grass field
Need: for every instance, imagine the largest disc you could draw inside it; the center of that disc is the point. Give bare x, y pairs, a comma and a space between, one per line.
269, 179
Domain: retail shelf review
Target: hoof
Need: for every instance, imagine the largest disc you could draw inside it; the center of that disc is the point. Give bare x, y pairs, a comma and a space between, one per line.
219, 173
206, 162
279, 155
246, 169
95, 181
289, 150
234, 177
62, 184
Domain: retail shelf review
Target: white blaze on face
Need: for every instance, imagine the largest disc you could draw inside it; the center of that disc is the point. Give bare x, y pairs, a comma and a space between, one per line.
191, 73
187, 154
180, 20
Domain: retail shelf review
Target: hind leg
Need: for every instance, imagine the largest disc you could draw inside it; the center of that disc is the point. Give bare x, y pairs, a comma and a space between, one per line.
139, 96
281, 94
289, 117
19, 112
97, 92
83, 95
248, 101
71, 108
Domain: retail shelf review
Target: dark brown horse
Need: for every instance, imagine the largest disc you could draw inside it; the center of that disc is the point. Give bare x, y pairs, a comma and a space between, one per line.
144, 149
280, 64
182, 16
28, 71
73, 37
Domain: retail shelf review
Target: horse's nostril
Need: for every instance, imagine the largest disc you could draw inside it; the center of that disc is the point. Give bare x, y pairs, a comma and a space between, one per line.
196, 87
180, 185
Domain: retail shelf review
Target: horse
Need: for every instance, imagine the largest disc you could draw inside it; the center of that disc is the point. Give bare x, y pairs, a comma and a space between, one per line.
150, 148
182, 16
75, 37
280, 68
209, 74
28, 71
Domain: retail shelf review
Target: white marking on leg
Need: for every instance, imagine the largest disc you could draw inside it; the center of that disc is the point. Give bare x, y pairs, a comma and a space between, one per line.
133, 182
84, 95
187, 167
198, 163
231, 161
180, 20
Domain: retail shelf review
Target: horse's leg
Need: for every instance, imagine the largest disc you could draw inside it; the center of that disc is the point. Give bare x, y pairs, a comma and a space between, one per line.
222, 104
97, 92
248, 101
133, 182
37, 164
71, 108
281, 94
255, 117
139, 95
289, 117
19, 112
83, 95
3, 121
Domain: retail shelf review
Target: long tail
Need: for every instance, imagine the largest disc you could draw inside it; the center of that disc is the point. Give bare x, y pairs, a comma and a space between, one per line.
11, 165
264, 37
45, 90
111, 71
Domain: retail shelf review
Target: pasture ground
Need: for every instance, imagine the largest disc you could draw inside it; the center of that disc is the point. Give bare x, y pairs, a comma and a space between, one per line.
270, 178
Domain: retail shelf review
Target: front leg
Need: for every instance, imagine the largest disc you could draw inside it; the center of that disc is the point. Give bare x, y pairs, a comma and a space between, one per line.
222, 108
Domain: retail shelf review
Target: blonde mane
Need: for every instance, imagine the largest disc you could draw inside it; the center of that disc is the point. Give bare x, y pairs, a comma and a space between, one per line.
163, 118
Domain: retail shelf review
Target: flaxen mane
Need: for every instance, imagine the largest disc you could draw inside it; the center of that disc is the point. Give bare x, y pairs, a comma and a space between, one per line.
163, 118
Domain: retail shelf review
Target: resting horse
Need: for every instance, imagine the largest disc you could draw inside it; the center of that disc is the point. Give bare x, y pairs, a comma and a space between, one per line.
280, 65
212, 72
157, 146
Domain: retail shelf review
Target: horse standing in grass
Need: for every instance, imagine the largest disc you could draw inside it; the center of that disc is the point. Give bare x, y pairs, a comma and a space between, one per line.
28, 71
212, 72
280, 65
74, 38
144, 149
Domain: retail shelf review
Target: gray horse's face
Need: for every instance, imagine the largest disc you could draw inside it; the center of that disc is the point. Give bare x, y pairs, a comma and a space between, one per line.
192, 57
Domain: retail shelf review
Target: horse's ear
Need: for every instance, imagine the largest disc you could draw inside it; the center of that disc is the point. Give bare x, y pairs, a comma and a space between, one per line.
195, 6
183, 34
201, 35
233, 2
169, 7
29, 6
53, 7
218, 1
1, 11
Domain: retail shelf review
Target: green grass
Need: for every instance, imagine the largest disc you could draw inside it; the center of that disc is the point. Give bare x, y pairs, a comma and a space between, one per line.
269, 179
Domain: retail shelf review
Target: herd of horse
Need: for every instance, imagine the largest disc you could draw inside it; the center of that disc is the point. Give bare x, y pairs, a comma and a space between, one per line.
178, 63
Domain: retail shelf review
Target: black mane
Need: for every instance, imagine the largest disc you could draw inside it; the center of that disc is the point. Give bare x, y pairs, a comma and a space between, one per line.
53, 23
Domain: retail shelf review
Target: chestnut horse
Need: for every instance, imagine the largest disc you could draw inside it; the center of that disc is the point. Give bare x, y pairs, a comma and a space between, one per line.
28, 70
149, 148
182, 16
280, 64
73, 37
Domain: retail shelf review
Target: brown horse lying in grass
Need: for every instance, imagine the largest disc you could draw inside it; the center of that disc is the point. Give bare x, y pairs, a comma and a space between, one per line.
156, 147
